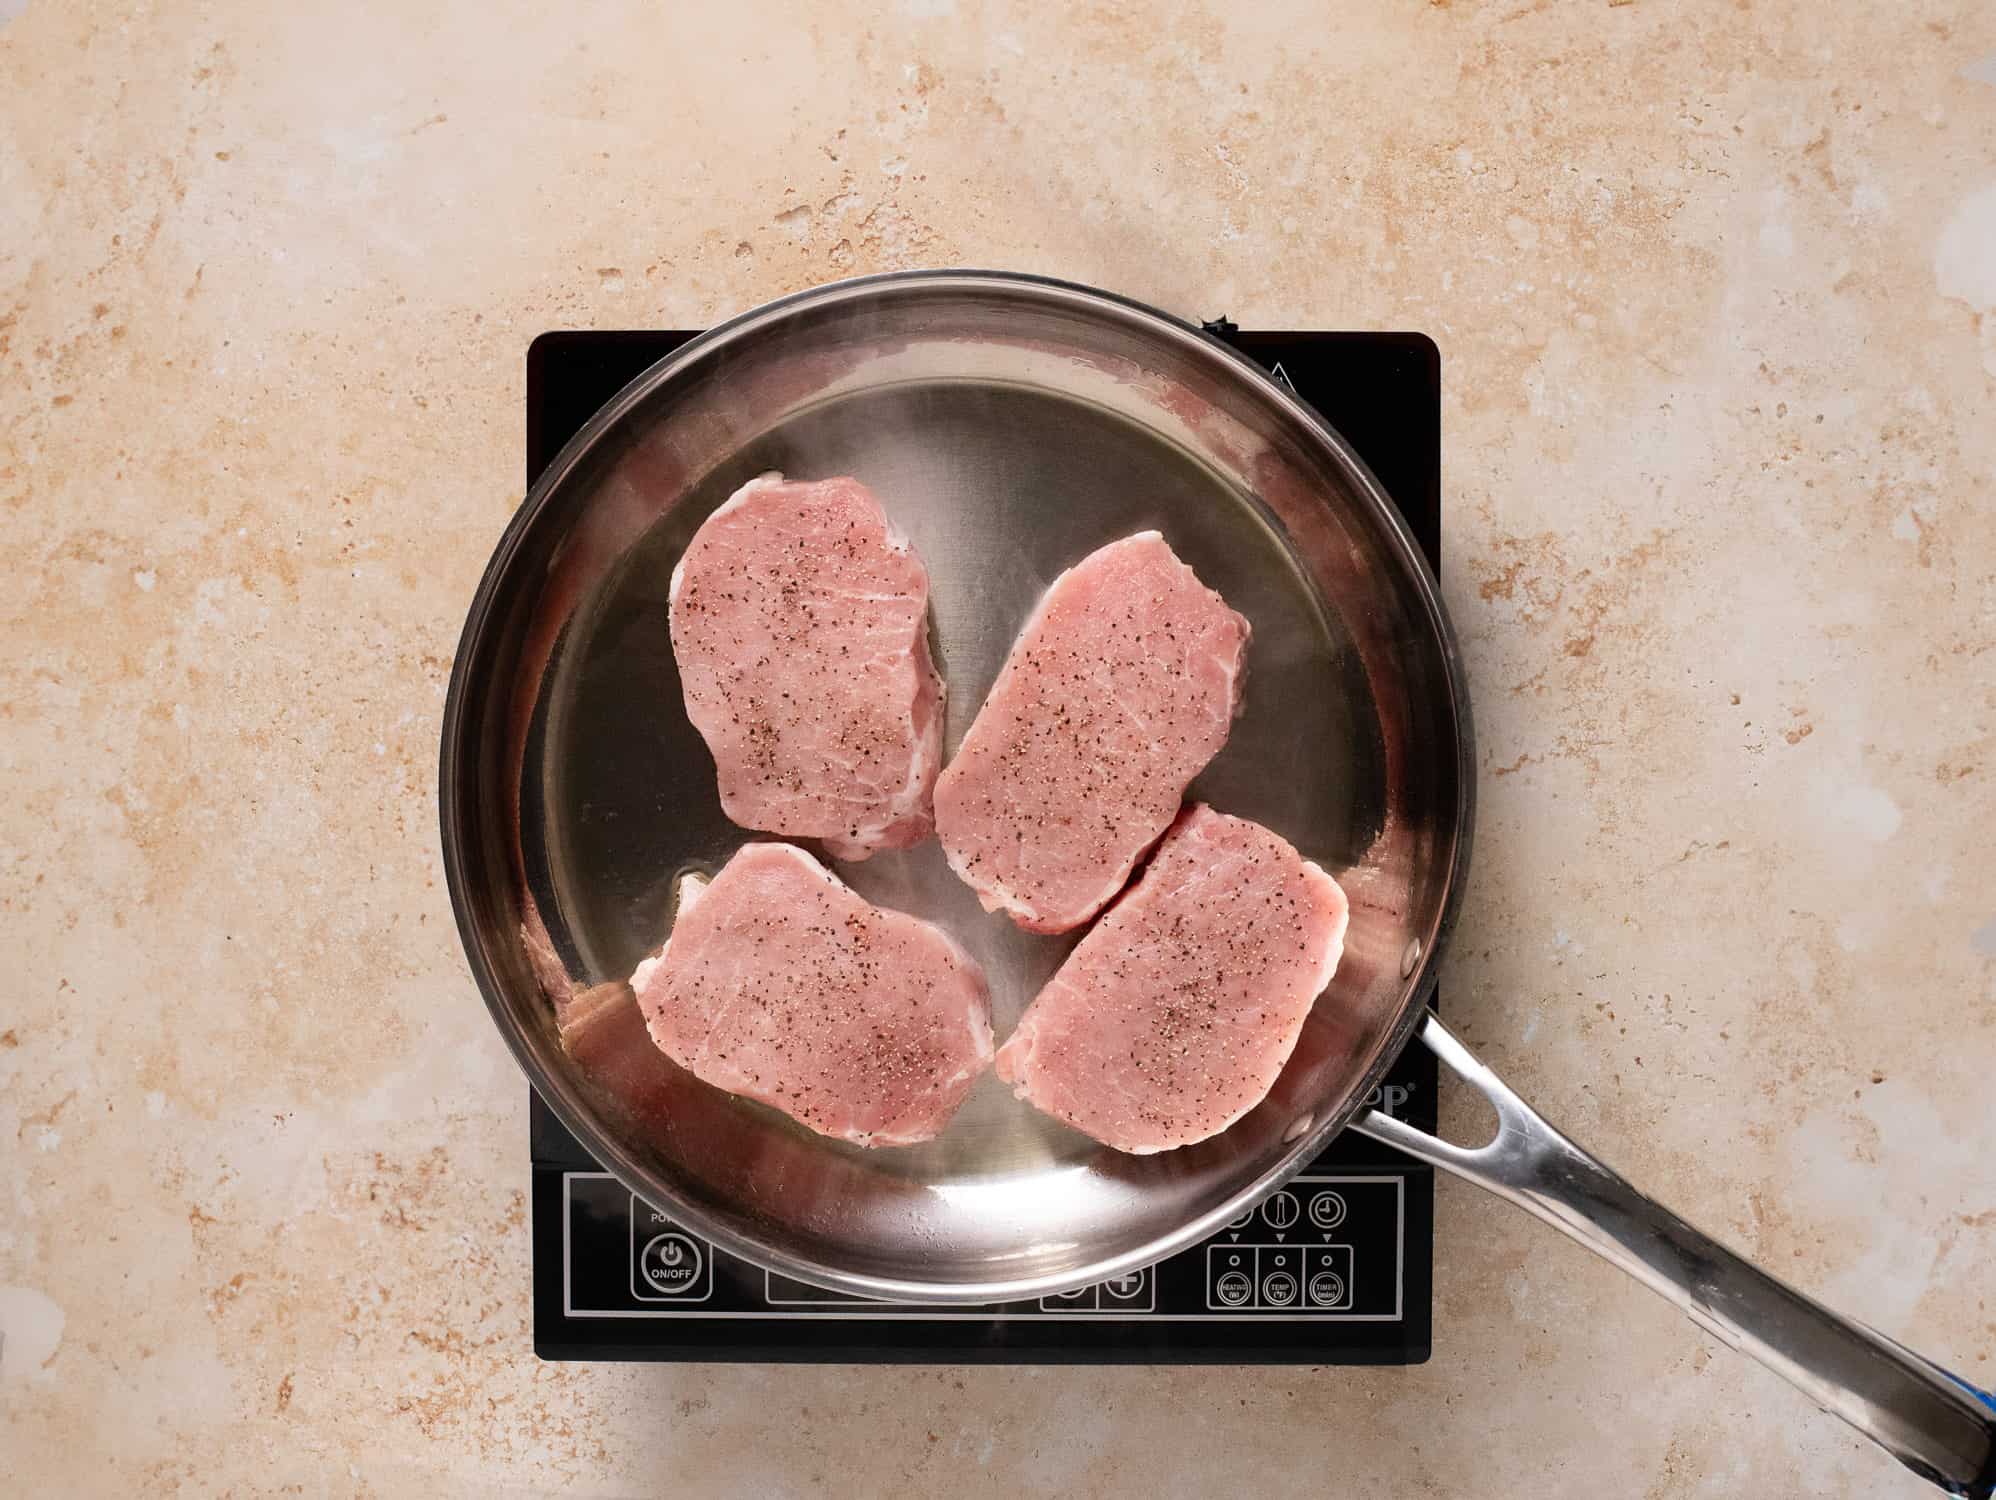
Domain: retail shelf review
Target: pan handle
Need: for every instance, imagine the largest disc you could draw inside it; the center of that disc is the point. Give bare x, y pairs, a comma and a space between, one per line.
1936, 1424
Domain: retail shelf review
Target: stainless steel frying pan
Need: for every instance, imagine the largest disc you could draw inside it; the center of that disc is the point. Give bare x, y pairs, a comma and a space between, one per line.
1011, 424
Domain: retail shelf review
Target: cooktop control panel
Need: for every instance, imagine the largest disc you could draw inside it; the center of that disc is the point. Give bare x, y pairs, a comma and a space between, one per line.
1320, 1271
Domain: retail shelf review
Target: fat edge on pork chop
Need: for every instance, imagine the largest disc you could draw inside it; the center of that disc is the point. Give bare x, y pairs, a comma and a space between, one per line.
1174, 1016
1123, 685
799, 620
780, 983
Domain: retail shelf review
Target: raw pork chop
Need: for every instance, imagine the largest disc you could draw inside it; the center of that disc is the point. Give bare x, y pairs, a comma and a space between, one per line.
781, 984
1172, 1018
800, 623
1120, 689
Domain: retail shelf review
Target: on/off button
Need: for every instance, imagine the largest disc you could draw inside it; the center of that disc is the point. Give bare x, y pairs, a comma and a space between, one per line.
667, 1264
670, 1264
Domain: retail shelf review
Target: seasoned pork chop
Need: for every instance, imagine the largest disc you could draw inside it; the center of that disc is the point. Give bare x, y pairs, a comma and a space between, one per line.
800, 623
1174, 1016
1120, 689
781, 984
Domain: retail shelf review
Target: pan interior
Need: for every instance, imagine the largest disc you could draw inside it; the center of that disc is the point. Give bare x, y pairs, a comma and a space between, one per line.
999, 488
1004, 461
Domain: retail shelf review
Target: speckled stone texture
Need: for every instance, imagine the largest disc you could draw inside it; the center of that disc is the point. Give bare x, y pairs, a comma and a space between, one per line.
1715, 286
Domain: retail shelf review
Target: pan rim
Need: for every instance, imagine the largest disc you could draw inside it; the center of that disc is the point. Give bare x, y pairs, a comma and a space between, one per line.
467, 686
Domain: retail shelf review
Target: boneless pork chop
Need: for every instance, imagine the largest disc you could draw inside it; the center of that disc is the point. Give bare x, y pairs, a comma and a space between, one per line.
780, 983
800, 623
1173, 1017
1120, 689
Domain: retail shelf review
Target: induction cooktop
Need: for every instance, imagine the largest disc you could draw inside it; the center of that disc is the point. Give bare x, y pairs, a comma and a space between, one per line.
1335, 1268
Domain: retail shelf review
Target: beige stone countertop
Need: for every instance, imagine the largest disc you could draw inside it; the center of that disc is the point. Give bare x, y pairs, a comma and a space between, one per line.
1715, 288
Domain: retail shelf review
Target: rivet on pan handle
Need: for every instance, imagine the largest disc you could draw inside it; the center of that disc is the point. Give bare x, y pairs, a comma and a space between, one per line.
1935, 1423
